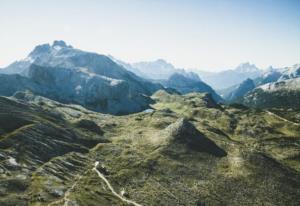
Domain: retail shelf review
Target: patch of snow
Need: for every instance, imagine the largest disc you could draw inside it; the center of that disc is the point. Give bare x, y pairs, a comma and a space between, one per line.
148, 110
78, 88
13, 161
291, 84
114, 82
29, 59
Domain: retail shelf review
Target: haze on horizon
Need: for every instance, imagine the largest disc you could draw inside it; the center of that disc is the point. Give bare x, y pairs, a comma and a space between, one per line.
207, 35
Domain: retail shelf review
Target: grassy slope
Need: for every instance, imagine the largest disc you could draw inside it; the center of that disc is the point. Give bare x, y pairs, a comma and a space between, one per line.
261, 165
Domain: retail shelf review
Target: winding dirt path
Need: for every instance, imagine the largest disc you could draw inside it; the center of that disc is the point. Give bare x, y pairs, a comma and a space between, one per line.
111, 188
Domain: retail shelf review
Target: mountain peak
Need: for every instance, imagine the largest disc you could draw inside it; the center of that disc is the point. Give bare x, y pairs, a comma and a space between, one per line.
162, 61
246, 67
43, 48
60, 44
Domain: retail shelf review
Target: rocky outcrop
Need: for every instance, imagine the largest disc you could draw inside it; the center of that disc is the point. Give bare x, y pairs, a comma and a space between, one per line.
184, 133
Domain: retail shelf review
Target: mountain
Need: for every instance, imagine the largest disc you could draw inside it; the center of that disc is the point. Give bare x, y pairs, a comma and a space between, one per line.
290, 72
166, 74
127, 66
276, 88
187, 150
278, 74
280, 94
156, 70
238, 91
159, 69
185, 84
229, 78
270, 75
70, 75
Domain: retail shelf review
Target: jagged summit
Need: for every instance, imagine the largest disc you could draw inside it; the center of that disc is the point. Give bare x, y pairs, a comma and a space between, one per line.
69, 75
246, 68
60, 43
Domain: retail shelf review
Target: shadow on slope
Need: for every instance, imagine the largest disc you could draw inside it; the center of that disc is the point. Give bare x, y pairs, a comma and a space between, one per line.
184, 133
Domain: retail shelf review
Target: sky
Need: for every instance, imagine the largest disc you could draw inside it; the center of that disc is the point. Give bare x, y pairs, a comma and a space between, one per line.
210, 35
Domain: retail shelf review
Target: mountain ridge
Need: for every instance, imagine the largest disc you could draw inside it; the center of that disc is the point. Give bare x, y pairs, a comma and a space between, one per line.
75, 76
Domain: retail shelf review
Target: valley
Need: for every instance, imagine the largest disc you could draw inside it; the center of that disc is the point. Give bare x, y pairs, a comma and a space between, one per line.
83, 129
150, 103
188, 151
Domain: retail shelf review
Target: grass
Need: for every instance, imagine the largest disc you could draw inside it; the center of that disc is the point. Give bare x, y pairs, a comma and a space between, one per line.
261, 165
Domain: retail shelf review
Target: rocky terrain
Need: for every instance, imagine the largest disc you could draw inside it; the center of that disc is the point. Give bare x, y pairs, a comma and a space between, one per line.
81, 129
70, 75
187, 150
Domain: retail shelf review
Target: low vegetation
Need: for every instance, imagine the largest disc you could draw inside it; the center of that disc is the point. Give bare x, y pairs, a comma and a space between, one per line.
188, 150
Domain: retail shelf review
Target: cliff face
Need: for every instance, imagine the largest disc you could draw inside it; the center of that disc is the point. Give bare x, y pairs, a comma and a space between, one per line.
70, 75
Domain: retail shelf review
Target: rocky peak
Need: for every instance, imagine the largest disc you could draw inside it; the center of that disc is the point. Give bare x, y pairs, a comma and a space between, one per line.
185, 133
40, 49
247, 68
59, 44
180, 128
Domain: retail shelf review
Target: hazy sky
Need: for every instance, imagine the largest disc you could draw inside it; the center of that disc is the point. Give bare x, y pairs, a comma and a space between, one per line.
209, 35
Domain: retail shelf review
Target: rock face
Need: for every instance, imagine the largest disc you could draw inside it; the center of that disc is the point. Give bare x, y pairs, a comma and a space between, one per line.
184, 133
70, 75
185, 85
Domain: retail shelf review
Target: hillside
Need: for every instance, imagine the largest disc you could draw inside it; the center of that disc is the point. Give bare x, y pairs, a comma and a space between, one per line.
280, 94
187, 151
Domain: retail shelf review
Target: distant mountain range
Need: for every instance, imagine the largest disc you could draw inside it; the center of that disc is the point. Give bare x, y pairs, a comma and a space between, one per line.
156, 70
70, 75
274, 88
97, 82
108, 85
160, 71
282, 92
228, 78
185, 84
